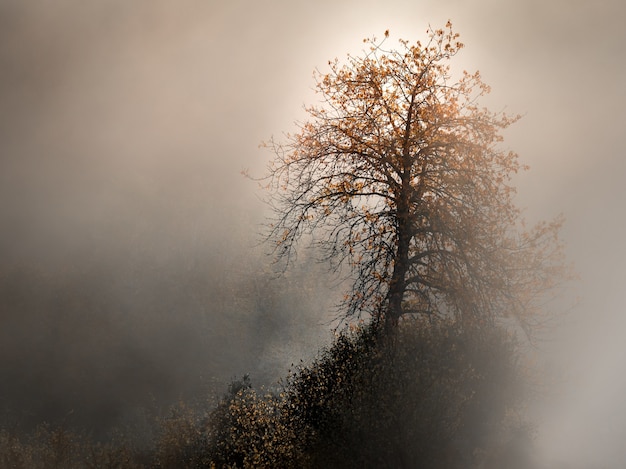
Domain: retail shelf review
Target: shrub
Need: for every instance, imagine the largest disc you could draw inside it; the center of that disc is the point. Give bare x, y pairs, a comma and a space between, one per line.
249, 430
50, 448
432, 395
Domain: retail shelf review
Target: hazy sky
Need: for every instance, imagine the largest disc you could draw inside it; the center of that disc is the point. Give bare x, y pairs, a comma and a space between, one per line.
124, 127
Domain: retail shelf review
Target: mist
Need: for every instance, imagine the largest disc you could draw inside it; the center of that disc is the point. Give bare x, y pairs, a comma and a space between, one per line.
132, 273
131, 270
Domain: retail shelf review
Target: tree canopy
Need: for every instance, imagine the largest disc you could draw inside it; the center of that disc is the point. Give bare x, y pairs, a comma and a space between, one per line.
399, 175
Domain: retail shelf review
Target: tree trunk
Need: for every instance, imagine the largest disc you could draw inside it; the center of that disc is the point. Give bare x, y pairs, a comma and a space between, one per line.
397, 286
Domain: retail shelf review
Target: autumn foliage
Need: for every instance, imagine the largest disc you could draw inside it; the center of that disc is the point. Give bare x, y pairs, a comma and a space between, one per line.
398, 174
430, 396
400, 177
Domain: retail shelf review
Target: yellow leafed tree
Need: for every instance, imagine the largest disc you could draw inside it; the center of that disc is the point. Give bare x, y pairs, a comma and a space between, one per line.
399, 174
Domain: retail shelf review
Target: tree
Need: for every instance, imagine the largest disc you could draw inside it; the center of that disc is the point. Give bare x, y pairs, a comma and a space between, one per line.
399, 175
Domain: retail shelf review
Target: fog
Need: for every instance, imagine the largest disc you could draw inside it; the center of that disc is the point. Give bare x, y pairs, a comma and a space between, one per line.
129, 242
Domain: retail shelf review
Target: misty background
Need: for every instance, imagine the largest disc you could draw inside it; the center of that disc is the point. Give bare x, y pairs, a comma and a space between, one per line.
131, 273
